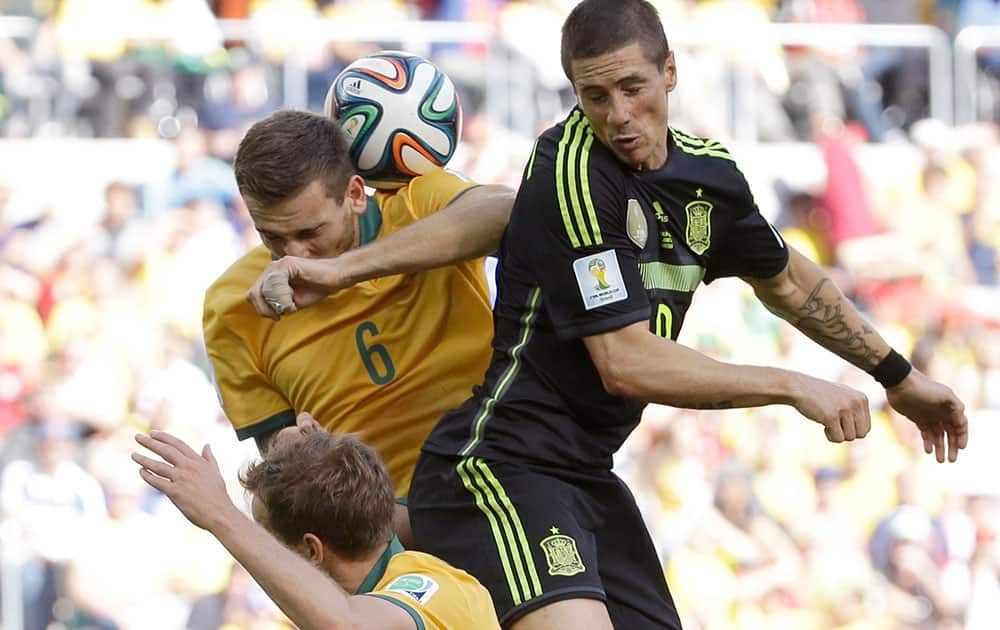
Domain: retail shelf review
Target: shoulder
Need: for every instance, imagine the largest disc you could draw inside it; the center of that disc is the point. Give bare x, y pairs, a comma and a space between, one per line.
423, 195
226, 297
421, 575
571, 149
707, 157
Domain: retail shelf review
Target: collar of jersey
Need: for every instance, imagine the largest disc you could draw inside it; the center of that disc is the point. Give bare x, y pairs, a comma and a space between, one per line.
375, 575
371, 221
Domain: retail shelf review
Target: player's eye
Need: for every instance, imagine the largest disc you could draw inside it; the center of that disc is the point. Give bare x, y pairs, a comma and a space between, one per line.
598, 99
304, 235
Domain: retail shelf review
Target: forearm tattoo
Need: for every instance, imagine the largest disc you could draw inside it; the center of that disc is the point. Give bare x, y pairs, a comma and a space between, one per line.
825, 322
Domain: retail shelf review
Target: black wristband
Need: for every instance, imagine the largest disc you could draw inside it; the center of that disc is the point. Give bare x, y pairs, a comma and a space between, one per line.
891, 370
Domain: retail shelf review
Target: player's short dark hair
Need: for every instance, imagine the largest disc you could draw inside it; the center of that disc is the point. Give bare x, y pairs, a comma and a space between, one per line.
282, 154
597, 27
333, 486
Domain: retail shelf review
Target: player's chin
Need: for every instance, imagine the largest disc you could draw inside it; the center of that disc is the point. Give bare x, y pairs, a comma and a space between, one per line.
634, 158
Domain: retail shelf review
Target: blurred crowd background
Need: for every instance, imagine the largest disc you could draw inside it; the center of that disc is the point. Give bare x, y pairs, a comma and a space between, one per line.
118, 124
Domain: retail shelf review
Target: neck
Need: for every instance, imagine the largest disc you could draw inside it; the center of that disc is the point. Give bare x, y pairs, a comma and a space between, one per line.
350, 574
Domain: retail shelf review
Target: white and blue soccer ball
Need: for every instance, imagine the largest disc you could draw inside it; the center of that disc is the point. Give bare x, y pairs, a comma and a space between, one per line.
401, 115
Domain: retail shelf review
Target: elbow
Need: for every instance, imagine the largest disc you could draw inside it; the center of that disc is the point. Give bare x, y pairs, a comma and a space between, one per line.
616, 380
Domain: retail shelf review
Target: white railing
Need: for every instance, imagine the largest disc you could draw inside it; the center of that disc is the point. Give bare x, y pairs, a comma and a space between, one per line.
930, 38
952, 69
969, 42
17, 27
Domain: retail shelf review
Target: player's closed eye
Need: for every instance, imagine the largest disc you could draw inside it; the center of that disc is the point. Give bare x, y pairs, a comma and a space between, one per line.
305, 235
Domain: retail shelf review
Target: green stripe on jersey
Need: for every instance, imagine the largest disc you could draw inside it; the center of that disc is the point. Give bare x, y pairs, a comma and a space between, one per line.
572, 171
699, 146
560, 187
595, 227
503, 535
521, 542
576, 204
531, 162
658, 275
486, 410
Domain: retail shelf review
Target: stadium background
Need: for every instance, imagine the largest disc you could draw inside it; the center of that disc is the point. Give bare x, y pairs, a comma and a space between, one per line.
867, 130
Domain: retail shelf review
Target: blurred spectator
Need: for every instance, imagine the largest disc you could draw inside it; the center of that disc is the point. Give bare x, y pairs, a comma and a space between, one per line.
57, 508
760, 523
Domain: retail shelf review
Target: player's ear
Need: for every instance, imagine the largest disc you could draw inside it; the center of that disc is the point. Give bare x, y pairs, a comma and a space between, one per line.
355, 195
307, 423
313, 548
670, 70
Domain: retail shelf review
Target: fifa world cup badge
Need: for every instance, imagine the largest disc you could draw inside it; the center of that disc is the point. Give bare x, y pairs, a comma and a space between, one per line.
561, 554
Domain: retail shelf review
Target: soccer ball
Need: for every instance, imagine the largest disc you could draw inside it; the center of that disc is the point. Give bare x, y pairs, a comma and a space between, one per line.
401, 115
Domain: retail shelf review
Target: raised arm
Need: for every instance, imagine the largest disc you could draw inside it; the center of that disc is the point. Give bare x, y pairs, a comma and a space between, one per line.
469, 227
309, 597
804, 296
636, 363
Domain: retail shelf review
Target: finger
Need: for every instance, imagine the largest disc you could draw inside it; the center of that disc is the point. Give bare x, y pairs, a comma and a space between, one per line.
958, 437
175, 442
256, 298
159, 483
834, 433
865, 423
277, 291
939, 452
207, 453
928, 439
163, 470
164, 450
847, 426
960, 427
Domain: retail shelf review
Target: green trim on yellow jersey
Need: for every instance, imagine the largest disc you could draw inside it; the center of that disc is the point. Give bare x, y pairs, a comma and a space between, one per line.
274, 423
371, 221
460, 193
378, 571
409, 609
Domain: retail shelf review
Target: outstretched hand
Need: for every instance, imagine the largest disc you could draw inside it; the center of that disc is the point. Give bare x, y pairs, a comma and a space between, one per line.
936, 411
191, 481
292, 283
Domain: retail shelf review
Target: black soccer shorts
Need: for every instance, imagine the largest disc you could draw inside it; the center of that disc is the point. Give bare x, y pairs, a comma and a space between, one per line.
533, 538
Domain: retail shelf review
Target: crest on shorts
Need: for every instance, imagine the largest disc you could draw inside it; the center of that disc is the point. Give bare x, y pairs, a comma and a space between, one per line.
561, 554
635, 222
699, 225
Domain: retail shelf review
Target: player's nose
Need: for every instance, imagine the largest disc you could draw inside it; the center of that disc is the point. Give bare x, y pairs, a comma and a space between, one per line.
297, 248
618, 113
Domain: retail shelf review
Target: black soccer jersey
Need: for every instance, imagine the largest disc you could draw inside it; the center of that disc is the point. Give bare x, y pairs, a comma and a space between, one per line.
593, 246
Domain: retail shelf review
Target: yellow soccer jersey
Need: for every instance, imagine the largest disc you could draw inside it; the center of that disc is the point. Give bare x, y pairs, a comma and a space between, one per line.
384, 359
437, 595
